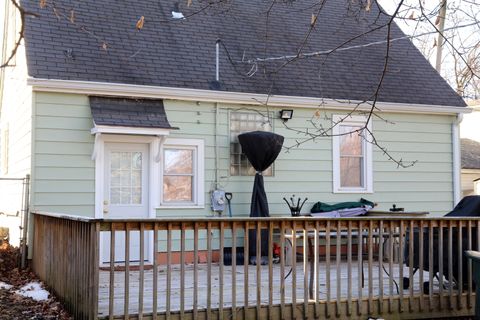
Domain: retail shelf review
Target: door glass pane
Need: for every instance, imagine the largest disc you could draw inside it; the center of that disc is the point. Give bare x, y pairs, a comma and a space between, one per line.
177, 188
125, 177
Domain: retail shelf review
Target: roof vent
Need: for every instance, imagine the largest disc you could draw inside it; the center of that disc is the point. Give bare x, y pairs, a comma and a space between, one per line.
176, 14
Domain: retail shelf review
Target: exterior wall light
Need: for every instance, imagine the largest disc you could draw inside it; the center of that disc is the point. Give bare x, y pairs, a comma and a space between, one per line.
286, 114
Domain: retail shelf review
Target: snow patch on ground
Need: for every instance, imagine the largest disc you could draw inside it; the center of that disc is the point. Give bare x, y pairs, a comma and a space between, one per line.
33, 290
5, 286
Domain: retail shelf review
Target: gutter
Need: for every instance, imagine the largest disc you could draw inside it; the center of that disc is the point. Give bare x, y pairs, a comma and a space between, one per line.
456, 154
130, 90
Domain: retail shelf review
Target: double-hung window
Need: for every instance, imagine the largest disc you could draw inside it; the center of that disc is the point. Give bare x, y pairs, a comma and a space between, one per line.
352, 155
183, 172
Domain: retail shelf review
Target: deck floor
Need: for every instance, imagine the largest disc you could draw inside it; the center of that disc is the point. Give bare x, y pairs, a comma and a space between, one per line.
119, 286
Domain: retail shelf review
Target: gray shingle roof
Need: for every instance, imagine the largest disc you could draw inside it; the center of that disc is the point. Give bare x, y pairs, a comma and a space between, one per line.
181, 53
124, 112
470, 154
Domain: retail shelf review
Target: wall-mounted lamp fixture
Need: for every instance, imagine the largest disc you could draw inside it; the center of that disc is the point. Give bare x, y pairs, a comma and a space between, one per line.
286, 114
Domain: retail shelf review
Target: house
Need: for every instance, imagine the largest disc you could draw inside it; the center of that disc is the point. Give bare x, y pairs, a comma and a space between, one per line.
470, 166
117, 118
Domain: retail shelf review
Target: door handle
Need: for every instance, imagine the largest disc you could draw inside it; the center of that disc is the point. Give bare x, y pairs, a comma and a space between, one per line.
105, 206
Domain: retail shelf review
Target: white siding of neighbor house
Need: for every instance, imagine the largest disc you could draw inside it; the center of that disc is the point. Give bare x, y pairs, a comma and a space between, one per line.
16, 115
64, 171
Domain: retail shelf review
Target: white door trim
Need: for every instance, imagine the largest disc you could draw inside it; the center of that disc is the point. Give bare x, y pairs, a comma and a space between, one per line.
154, 175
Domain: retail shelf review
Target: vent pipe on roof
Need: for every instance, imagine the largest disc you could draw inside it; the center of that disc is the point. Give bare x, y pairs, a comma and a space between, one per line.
217, 61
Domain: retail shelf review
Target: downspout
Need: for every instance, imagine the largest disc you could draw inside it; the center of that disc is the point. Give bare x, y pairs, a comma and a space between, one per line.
457, 188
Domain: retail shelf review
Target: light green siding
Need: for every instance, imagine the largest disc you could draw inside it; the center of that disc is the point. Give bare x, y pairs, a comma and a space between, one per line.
64, 171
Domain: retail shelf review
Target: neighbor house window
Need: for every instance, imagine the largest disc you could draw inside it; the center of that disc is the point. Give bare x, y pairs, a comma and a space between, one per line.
182, 172
352, 155
241, 122
4, 148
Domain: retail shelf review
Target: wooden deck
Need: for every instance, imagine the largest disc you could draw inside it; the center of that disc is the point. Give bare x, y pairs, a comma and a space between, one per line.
324, 293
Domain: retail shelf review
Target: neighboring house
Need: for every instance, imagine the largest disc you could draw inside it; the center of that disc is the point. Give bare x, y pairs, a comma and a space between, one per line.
470, 166
117, 122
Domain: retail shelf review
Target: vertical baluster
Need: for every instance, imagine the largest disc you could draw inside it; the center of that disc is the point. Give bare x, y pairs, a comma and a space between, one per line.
370, 267
245, 271
349, 266
316, 270
390, 267
270, 270
282, 270
430, 264
459, 264
338, 247
327, 266
450, 264
141, 271
294, 271
182, 271
209, 270
410, 265
440, 263
360, 267
420, 264
469, 273
380, 267
155, 272
169, 271
234, 271
127, 273
195, 271
305, 270
222, 245
258, 256
112, 272
400, 263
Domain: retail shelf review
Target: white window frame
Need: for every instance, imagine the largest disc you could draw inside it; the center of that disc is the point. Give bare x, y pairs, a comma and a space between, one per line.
344, 120
198, 187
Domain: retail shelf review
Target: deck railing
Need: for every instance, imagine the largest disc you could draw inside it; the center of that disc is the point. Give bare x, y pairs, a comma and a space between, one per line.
337, 268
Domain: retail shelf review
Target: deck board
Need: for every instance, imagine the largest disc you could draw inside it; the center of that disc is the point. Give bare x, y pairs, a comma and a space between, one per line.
119, 284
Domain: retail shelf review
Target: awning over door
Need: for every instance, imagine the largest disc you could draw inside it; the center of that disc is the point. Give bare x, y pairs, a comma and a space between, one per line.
130, 116
129, 113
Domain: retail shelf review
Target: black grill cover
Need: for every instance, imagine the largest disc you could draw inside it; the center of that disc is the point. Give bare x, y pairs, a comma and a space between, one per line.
468, 207
261, 149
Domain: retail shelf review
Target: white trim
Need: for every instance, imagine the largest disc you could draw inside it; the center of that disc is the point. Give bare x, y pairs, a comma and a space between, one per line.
100, 168
199, 173
457, 184
130, 90
130, 130
367, 157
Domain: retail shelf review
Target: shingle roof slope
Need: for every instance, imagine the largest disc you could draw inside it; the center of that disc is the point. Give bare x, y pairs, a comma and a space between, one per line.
470, 154
125, 112
181, 53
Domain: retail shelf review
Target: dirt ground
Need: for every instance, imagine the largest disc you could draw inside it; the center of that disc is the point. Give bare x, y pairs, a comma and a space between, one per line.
14, 306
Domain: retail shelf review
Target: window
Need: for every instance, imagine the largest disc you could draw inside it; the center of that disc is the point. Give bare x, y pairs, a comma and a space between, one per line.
126, 177
4, 148
182, 172
352, 156
241, 122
